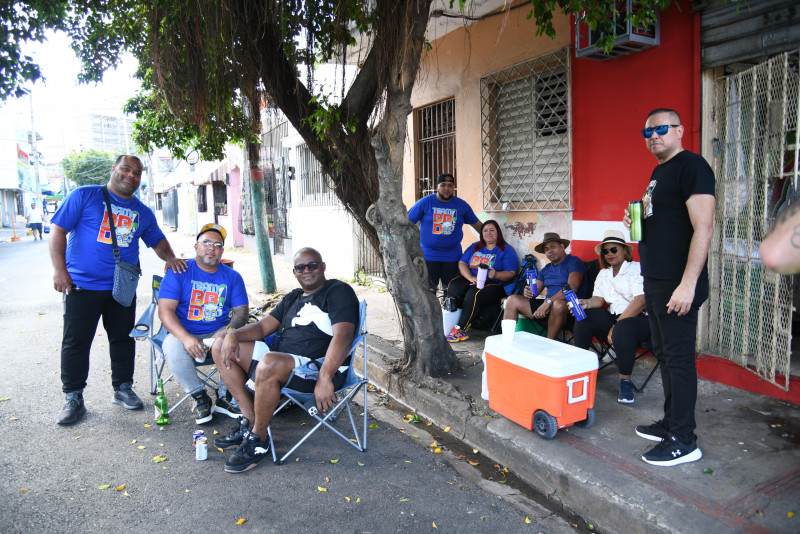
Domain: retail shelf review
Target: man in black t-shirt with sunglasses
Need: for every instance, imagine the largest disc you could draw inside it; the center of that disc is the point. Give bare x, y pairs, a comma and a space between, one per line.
314, 327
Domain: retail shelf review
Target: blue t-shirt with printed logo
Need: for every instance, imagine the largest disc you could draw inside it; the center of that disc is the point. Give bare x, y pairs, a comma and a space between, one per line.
555, 277
90, 251
205, 300
440, 228
499, 260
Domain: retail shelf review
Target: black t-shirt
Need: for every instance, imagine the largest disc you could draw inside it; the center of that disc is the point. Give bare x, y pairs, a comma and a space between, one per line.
306, 322
668, 229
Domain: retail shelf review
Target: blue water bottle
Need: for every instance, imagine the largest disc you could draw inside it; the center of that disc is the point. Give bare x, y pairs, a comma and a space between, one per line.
573, 303
530, 275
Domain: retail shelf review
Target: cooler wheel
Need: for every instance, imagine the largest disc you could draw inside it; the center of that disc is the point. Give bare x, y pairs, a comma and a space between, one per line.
545, 424
589, 421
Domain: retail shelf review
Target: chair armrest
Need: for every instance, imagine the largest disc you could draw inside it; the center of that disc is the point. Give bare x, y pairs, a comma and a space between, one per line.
144, 326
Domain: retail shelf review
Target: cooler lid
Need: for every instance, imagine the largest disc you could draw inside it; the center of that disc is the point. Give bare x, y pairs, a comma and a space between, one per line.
545, 356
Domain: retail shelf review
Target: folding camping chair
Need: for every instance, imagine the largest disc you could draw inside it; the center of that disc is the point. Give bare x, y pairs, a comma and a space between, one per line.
602, 348
352, 385
520, 280
144, 328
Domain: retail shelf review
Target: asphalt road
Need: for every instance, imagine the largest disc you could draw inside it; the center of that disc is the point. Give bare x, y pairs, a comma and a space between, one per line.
51, 474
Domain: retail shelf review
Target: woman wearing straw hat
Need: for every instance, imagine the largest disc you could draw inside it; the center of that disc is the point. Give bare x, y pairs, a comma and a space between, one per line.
622, 324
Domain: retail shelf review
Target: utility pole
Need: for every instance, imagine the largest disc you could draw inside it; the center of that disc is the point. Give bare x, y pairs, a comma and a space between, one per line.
37, 193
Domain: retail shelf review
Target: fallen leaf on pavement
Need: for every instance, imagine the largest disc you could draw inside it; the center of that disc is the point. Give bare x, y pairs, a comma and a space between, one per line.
347, 499
320, 488
17, 419
404, 500
104, 486
127, 494
158, 459
334, 461
5, 399
23, 490
434, 525
473, 463
528, 520
147, 426
447, 429
132, 442
361, 464
437, 450
142, 447
241, 521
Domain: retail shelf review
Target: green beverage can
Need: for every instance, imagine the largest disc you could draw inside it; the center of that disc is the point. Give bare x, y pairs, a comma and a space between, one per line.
635, 210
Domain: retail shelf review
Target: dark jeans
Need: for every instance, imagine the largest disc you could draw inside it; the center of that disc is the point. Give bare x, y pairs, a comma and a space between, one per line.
82, 310
627, 334
471, 299
673, 340
441, 270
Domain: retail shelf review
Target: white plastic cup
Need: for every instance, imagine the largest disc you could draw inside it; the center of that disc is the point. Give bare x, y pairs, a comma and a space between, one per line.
508, 327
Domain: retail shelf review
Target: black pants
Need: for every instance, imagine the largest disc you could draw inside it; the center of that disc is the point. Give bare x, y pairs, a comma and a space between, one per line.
627, 334
471, 299
82, 311
673, 340
441, 270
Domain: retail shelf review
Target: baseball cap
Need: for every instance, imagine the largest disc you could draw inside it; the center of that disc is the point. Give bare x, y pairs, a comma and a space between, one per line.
211, 227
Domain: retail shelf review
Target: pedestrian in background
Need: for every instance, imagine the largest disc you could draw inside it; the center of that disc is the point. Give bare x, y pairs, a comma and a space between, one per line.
678, 207
35, 220
83, 268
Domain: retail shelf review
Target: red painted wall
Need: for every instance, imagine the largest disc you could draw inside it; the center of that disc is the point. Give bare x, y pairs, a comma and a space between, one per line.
610, 103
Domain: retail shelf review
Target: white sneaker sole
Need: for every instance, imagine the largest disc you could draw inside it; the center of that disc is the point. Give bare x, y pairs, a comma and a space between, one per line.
202, 420
223, 411
686, 458
651, 437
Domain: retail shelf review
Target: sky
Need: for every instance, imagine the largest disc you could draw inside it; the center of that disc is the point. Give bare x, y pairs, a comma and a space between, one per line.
60, 100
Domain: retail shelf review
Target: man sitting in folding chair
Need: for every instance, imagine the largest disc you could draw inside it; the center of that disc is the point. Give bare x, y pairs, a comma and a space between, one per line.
194, 305
315, 327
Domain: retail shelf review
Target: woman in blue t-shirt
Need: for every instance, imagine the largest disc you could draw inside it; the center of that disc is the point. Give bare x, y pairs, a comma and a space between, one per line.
501, 258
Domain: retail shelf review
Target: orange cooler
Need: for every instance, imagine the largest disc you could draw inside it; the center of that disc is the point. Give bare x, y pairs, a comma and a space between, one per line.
534, 373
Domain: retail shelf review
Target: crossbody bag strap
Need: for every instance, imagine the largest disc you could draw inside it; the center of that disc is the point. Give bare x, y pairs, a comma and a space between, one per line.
111, 222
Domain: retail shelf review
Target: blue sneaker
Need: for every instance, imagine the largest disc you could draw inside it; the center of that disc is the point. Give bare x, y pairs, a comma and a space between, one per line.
126, 398
625, 391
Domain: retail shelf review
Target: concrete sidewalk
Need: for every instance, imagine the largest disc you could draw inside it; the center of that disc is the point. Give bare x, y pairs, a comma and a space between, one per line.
747, 481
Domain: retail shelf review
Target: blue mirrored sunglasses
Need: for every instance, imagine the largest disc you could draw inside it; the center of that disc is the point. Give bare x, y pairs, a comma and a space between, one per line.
647, 133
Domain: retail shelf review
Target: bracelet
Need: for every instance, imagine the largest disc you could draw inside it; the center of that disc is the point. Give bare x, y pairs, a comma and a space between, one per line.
230, 330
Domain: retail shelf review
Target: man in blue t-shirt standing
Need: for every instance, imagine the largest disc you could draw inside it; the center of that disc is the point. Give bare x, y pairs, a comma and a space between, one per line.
441, 216
563, 269
83, 270
197, 304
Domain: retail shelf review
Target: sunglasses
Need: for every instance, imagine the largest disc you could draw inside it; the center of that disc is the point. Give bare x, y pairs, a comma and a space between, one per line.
300, 268
612, 250
647, 133
208, 243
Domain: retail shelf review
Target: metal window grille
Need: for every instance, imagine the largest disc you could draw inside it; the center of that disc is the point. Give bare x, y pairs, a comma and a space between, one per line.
750, 307
369, 261
315, 186
436, 144
525, 134
202, 205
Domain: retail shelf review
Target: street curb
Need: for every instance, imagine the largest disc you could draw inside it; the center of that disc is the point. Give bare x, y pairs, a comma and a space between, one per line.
599, 487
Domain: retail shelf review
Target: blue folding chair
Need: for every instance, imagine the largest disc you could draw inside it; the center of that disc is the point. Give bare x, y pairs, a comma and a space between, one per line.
352, 385
143, 330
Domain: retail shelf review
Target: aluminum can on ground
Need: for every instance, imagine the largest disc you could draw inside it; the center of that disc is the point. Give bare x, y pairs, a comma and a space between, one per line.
196, 434
201, 452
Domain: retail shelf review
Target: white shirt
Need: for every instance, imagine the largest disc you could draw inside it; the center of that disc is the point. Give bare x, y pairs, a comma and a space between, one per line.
34, 215
620, 290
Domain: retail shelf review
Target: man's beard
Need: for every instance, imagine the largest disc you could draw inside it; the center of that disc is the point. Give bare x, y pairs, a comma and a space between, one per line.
210, 263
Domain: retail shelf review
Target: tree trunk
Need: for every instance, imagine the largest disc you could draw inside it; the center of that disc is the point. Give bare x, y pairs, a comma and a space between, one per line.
427, 352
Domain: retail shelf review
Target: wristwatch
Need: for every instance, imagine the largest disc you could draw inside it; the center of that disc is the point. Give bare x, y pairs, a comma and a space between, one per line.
548, 301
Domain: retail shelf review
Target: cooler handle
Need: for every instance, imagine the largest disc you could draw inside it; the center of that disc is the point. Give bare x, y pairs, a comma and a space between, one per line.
570, 383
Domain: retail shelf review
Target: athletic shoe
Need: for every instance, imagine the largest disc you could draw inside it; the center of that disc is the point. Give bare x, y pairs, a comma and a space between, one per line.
671, 452
234, 437
625, 391
125, 396
252, 450
456, 335
72, 410
226, 406
654, 432
202, 407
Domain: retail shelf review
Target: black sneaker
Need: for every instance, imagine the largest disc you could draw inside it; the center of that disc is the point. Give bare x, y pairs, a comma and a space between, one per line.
671, 452
252, 450
226, 406
626, 393
202, 407
125, 397
72, 410
234, 437
654, 432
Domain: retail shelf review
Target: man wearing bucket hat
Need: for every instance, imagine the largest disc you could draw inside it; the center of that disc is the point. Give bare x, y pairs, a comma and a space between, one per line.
201, 302
678, 226
441, 216
623, 324
563, 269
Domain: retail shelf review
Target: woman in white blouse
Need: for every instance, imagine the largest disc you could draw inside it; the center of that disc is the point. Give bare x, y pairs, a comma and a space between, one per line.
615, 311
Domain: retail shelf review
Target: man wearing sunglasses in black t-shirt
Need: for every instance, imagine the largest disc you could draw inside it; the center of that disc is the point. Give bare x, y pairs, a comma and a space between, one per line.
678, 226
314, 327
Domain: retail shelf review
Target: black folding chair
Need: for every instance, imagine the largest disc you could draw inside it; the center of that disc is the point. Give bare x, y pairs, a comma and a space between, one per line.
602, 348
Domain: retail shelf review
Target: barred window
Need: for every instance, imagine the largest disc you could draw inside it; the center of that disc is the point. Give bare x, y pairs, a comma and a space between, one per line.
436, 144
315, 186
202, 202
525, 139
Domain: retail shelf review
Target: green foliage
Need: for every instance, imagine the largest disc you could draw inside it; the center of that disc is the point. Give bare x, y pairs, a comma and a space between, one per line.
21, 22
90, 167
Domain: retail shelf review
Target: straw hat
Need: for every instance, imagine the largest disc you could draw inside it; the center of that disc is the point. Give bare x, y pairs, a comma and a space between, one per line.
615, 237
550, 236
